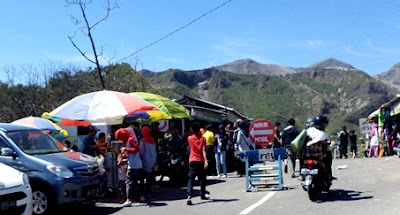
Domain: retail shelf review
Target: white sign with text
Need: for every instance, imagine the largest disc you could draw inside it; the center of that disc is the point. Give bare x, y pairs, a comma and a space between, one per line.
365, 126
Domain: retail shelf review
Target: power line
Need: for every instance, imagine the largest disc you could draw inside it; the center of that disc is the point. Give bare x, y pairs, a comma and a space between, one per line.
173, 32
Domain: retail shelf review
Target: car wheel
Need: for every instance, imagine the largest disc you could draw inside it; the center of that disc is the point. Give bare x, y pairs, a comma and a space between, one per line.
40, 201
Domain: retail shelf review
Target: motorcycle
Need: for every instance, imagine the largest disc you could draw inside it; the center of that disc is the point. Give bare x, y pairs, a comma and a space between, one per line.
315, 178
173, 165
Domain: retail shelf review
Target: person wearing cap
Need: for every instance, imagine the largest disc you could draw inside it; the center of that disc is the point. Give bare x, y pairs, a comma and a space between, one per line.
89, 145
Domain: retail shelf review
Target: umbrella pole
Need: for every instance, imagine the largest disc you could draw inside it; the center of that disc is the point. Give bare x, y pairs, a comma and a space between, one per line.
183, 126
106, 131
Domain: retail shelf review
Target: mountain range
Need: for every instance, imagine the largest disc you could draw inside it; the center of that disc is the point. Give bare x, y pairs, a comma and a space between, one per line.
277, 92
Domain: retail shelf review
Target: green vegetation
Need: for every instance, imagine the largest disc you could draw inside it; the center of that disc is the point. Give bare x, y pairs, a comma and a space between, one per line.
343, 95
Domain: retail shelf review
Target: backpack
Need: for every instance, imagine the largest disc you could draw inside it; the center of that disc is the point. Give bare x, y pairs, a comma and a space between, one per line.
298, 143
287, 138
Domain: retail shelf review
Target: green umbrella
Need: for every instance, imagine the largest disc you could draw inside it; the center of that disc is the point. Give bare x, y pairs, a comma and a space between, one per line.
171, 108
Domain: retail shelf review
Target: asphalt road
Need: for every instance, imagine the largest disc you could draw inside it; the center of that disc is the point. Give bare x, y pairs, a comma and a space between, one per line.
366, 186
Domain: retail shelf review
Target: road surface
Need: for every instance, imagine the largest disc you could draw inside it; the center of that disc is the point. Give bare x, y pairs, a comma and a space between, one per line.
366, 186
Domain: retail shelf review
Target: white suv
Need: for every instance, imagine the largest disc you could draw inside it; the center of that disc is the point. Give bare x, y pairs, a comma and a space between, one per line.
15, 192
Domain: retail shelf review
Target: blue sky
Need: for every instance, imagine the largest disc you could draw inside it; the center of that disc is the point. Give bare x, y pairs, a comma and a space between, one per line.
295, 33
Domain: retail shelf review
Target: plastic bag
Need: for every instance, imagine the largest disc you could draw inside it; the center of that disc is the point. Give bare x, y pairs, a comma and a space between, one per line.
298, 142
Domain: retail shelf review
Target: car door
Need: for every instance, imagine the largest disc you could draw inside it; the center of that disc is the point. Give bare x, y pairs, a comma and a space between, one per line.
10, 160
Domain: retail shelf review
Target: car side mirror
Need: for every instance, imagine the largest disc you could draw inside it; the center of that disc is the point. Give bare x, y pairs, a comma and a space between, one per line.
8, 152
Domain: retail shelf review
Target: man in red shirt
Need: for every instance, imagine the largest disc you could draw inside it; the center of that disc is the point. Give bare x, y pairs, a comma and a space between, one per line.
197, 162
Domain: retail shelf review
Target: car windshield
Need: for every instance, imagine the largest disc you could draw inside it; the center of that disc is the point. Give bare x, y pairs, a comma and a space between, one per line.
36, 142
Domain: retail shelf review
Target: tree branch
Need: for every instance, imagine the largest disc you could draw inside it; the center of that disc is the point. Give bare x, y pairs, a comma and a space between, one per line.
86, 30
108, 9
80, 51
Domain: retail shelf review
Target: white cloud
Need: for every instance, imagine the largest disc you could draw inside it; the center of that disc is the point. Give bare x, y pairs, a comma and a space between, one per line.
312, 44
176, 61
76, 59
229, 49
172, 60
233, 46
382, 50
349, 50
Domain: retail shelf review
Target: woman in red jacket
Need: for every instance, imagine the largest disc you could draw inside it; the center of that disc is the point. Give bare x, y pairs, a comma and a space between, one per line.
135, 166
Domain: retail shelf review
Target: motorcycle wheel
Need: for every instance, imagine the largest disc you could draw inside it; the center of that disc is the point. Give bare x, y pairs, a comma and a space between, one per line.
312, 194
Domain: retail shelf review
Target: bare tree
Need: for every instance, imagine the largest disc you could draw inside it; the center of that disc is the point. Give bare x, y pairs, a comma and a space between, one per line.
86, 28
11, 73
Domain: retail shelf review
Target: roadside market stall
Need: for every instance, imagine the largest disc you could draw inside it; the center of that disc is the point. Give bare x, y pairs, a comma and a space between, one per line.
384, 116
166, 159
208, 111
107, 108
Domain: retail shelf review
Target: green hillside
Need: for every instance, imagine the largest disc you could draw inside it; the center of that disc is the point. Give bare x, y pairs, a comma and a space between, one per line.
345, 95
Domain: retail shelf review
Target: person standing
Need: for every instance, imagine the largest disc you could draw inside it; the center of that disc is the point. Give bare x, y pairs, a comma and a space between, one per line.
176, 152
134, 165
353, 143
122, 162
89, 145
210, 140
197, 162
157, 135
101, 143
220, 150
243, 143
174, 142
148, 155
344, 142
288, 135
276, 143
374, 141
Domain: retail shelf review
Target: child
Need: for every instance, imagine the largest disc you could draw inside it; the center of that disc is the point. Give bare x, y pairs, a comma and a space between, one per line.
122, 163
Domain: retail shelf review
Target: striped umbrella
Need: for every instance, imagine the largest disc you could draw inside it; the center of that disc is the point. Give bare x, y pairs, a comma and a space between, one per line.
40, 123
101, 107
171, 108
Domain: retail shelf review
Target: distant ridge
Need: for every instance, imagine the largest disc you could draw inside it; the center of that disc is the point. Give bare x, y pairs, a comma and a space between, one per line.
146, 72
251, 67
332, 63
392, 75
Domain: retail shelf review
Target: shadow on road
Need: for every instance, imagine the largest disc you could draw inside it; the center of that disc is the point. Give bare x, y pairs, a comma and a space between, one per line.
289, 188
214, 201
86, 210
342, 195
179, 193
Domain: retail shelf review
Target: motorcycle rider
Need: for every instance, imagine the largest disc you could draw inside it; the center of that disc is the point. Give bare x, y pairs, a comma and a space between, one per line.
316, 144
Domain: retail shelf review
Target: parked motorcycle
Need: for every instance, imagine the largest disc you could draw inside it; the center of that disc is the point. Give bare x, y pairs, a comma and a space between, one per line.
173, 165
